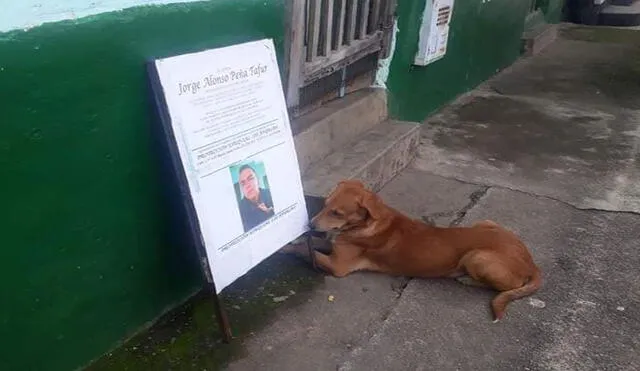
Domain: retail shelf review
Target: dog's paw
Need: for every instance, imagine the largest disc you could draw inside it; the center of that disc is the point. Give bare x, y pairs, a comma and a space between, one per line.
468, 281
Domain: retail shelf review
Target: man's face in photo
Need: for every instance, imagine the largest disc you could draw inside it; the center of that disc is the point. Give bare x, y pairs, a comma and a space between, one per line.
249, 184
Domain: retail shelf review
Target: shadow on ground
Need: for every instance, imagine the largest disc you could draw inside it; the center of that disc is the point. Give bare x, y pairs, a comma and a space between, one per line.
188, 338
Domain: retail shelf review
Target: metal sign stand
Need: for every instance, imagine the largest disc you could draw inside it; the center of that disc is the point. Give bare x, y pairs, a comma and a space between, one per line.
221, 314
195, 235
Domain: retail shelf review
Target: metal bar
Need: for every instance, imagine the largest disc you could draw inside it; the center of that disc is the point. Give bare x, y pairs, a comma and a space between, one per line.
364, 20
343, 83
352, 14
315, 7
328, 30
374, 23
324, 66
294, 49
386, 22
339, 39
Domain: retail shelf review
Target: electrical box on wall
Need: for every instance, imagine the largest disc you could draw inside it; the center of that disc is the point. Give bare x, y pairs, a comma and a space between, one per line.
434, 32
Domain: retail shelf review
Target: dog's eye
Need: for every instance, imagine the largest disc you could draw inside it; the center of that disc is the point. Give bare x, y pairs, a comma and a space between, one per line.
336, 213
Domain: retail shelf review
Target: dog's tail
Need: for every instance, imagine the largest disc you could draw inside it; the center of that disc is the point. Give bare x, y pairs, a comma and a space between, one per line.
500, 302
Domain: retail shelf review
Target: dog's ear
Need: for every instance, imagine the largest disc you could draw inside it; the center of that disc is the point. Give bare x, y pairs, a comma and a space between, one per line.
372, 204
344, 183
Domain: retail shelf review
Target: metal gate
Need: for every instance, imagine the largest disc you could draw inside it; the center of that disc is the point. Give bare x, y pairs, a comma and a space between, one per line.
331, 42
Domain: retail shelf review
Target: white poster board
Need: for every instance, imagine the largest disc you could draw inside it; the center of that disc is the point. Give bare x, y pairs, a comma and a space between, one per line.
434, 31
228, 115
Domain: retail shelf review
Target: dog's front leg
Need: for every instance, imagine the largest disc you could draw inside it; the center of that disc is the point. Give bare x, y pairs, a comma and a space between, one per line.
342, 260
301, 251
325, 262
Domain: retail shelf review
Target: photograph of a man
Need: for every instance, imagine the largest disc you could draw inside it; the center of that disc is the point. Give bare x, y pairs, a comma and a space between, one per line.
254, 201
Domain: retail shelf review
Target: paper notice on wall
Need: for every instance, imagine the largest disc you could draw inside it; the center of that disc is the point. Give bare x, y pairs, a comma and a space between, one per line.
229, 118
434, 32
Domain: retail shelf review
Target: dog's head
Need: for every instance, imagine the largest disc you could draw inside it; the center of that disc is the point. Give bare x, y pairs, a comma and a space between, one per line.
350, 206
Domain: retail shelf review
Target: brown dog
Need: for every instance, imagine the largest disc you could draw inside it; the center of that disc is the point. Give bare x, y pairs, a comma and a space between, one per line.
368, 235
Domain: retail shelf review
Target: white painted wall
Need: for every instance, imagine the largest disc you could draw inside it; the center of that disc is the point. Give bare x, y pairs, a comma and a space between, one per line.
24, 14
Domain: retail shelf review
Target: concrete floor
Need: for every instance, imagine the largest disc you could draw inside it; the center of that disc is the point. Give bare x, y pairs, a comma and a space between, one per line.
549, 148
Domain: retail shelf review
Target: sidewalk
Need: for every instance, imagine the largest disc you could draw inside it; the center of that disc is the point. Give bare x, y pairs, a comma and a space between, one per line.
549, 148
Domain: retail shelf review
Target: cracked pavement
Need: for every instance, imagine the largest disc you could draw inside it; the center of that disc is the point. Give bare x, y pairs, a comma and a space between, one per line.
549, 148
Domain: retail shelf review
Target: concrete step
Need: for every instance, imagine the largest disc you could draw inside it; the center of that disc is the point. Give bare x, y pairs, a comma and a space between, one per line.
620, 15
336, 123
538, 37
375, 158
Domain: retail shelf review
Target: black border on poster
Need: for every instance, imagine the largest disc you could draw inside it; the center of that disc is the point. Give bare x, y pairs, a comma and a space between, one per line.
160, 105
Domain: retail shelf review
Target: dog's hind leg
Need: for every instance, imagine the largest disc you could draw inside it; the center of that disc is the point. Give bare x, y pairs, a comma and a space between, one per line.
490, 269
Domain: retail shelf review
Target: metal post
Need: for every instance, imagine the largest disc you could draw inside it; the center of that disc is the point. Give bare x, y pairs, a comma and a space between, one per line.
221, 314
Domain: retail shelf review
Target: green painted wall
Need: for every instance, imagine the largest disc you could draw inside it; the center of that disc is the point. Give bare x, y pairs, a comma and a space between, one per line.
87, 254
483, 39
553, 10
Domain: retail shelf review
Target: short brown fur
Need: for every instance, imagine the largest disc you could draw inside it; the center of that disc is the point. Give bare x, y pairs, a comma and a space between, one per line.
369, 235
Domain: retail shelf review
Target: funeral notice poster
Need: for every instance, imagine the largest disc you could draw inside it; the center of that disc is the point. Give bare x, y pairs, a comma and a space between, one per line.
231, 127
